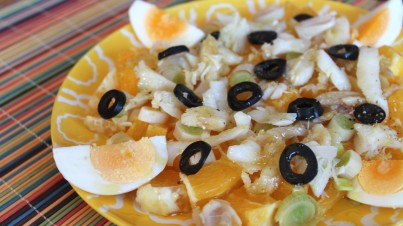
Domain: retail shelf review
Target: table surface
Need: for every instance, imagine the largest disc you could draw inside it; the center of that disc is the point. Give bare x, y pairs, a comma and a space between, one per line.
40, 41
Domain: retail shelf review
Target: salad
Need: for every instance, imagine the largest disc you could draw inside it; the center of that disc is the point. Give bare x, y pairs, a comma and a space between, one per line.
273, 118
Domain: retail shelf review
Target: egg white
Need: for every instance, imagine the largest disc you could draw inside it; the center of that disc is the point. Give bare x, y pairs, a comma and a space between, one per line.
138, 13
394, 200
393, 27
75, 165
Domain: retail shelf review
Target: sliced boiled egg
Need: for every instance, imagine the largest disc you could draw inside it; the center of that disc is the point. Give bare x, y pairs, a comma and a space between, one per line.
157, 28
379, 183
115, 168
382, 25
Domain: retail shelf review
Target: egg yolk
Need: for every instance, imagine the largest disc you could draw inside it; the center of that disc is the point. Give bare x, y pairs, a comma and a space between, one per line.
370, 31
381, 177
125, 162
162, 26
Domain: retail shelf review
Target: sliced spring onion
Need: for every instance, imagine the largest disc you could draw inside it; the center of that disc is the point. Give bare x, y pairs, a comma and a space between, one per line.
341, 128
179, 78
240, 76
298, 209
340, 150
188, 133
350, 164
119, 138
292, 55
262, 126
192, 129
343, 184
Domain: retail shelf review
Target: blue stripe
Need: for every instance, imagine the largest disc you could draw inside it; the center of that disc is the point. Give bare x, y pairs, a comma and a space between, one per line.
20, 9
15, 221
64, 36
33, 161
22, 143
43, 179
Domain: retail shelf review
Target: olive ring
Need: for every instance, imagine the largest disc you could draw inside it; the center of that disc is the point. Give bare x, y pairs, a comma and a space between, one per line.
187, 96
111, 103
270, 69
302, 16
285, 164
198, 146
346, 52
239, 105
261, 37
172, 51
369, 114
306, 108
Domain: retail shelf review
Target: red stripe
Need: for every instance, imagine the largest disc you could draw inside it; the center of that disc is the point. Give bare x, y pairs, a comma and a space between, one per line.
42, 21
71, 213
29, 197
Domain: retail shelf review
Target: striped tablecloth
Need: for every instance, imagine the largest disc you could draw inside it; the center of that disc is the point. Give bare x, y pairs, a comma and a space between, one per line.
40, 41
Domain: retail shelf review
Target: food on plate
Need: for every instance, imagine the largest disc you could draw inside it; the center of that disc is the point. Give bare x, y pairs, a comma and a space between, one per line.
112, 168
382, 25
156, 27
257, 121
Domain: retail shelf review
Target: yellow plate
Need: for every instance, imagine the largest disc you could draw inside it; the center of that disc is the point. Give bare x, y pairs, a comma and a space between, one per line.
70, 105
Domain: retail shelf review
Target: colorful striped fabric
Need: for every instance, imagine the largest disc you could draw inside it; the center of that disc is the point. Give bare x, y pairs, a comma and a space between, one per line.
40, 41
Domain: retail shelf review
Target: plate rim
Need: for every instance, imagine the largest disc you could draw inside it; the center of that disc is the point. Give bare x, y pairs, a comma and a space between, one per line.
112, 217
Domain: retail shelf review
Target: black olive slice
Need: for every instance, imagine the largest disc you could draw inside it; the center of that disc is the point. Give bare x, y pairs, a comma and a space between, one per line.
306, 108
369, 114
199, 146
270, 69
346, 52
215, 34
187, 96
302, 16
172, 51
111, 103
242, 87
261, 37
285, 164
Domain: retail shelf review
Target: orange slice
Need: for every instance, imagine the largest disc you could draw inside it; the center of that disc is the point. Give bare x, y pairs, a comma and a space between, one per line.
156, 130
381, 177
395, 102
154, 26
253, 209
382, 25
213, 180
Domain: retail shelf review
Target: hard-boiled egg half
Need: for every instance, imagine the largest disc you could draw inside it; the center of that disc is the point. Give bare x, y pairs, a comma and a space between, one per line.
382, 25
112, 169
155, 27
379, 183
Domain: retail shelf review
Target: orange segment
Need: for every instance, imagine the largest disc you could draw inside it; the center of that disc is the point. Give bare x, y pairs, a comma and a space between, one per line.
370, 31
138, 129
253, 209
381, 177
395, 58
168, 177
282, 103
213, 180
283, 190
162, 26
124, 162
125, 64
326, 202
156, 130
395, 102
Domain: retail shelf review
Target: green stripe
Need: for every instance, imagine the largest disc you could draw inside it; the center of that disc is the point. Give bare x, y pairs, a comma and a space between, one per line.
66, 209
